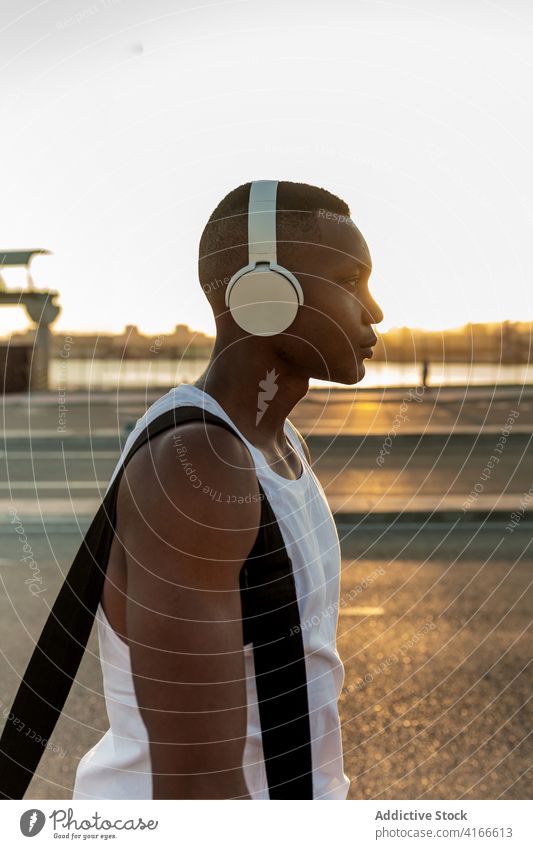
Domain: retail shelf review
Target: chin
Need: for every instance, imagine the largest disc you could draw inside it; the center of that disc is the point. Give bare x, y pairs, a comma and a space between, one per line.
348, 376
347, 370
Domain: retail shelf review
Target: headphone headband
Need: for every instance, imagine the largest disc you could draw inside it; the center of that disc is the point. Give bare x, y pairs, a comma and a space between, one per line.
262, 221
263, 297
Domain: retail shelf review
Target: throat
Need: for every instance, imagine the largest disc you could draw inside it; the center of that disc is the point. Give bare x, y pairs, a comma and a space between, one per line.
284, 461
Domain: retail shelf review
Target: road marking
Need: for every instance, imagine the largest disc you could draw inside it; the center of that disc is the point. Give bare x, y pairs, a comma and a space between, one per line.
58, 455
60, 435
65, 485
71, 509
361, 611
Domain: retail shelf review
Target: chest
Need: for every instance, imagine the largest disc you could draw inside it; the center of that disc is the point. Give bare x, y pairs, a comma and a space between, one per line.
310, 535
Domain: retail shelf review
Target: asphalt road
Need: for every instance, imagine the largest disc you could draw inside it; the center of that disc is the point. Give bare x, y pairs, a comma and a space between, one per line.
434, 611
437, 696
436, 700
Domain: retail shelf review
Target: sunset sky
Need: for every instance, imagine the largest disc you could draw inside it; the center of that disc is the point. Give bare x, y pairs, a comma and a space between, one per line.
124, 124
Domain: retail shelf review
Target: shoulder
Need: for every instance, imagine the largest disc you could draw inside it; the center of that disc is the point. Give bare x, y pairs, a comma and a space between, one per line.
206, 445
195, 481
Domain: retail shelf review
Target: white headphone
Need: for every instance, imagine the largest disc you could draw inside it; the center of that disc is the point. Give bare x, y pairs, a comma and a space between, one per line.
263, 297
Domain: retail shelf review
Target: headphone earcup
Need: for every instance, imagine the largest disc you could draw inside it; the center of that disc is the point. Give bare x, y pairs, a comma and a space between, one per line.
263, 302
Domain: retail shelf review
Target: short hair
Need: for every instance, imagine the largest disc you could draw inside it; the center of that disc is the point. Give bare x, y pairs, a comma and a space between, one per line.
224, 241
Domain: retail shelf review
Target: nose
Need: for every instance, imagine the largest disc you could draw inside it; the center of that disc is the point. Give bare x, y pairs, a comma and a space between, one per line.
373, 311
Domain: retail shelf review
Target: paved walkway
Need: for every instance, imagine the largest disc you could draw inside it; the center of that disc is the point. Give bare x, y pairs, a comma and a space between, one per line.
347, 411
369, 461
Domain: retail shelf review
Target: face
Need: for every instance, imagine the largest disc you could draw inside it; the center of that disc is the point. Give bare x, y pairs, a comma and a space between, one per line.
328, 338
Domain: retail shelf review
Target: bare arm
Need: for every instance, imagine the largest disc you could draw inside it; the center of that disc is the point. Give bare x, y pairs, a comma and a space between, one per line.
185, 544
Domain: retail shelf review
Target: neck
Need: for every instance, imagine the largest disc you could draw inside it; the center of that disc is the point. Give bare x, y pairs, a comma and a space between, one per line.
255, 387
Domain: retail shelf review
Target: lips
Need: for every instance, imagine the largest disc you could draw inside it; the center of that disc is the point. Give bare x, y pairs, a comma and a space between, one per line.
368, 350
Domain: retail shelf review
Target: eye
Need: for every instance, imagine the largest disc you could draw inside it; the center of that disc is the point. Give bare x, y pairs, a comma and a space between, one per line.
353, 282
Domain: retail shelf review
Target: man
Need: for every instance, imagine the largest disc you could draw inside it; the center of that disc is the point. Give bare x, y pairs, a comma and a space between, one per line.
181, 687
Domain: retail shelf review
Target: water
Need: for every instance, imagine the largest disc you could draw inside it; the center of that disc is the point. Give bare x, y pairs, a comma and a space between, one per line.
108, 374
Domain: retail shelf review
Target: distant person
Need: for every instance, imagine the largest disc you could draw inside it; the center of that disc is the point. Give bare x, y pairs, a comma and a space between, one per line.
187, 674
425, 372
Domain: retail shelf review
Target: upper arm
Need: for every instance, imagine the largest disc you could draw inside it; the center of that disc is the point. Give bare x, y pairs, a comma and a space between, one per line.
190, 511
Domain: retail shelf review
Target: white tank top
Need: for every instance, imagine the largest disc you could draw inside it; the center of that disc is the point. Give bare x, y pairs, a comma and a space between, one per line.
118, 766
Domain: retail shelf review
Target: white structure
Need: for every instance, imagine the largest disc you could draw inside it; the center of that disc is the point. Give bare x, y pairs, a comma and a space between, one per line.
40, 307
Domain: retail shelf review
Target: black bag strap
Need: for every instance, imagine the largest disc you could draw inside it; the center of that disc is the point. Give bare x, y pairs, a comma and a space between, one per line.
270, 621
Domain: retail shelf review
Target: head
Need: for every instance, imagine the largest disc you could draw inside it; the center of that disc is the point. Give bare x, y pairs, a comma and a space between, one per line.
318, 242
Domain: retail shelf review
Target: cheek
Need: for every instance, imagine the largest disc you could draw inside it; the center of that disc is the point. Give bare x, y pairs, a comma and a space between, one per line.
332, 309
330, 318
345, 316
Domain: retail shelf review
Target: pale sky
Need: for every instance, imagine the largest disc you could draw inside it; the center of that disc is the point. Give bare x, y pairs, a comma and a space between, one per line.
126, 121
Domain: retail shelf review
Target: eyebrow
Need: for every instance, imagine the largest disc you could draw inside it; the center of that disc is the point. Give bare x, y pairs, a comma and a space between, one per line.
359, 269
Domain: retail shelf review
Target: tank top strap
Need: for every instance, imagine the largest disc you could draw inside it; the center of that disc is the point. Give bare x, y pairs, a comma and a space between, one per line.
297, 439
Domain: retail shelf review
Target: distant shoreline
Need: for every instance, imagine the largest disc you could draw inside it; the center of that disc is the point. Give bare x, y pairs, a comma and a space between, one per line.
69, 374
